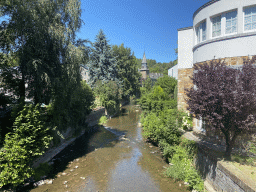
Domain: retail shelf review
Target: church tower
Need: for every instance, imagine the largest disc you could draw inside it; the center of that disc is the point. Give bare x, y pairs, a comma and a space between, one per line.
144, 68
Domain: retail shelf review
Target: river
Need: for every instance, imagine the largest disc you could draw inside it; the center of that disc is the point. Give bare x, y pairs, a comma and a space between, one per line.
112, 158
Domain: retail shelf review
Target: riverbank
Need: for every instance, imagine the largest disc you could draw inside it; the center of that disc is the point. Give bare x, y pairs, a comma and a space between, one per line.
92, 120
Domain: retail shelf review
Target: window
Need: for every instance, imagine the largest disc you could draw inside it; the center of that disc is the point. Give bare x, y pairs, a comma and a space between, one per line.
250, 18
231, 22
216, 26
201, 32
203, 25
198, 34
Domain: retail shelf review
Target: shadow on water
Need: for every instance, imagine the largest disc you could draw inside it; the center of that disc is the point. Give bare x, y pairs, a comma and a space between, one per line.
97, 137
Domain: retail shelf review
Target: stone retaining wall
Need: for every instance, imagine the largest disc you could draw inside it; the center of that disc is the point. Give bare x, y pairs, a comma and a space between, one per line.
221, 175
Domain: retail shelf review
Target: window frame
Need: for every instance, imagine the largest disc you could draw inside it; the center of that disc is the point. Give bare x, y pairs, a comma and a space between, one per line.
244, 8
199, 30
221, 22
225, 21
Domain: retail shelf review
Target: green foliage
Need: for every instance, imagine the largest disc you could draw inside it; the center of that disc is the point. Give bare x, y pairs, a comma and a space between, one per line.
81, 101
109, 95
103, 120
42, 170
27, 141
147, 85
42, 33
127, 70
102, 65
157, 100
162, 127
182, 169
167, 84
175, 93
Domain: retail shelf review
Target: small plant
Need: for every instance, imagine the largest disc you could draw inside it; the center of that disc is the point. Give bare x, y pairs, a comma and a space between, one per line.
187, 122
182, 169
103, 120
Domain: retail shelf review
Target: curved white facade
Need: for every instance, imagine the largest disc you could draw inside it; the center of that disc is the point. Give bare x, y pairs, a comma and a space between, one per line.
224, 28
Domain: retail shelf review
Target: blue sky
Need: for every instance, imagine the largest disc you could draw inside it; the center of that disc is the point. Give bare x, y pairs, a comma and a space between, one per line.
139, 24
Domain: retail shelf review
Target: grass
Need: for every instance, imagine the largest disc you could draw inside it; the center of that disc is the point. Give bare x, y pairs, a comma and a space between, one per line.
246, 169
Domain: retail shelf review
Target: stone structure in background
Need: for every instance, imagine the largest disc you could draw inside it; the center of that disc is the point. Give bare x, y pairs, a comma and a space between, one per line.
145, 71
222, 29
144, 68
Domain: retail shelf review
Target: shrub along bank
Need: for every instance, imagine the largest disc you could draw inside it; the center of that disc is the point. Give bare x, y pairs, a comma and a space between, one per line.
161, 122
162, 130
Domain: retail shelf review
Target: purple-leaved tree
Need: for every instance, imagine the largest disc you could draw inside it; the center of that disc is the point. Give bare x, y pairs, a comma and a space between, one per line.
226, 97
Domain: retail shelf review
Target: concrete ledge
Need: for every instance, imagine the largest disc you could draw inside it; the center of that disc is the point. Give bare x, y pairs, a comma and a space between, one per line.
242, 180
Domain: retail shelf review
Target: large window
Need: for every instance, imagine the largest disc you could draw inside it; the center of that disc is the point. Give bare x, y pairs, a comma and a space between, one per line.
216, 26
231, 22
201, 32
250, 18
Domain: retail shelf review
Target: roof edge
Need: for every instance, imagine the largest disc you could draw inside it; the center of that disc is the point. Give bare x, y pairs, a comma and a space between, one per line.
185, 28
203, 6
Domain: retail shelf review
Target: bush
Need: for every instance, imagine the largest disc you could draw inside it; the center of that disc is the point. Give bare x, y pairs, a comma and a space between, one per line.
162, 127
182, 169
103, 120
28, 141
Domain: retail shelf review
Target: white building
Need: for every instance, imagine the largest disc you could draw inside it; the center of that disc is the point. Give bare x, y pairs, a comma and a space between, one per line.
222, 29
173, 71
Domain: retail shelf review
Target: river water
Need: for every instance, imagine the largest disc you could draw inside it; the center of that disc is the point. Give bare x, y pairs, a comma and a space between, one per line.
111, 158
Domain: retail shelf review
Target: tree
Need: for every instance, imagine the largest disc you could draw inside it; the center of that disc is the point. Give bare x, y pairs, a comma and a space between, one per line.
225, 97
110, 96
167, 84
102, 65
42, 33
127, 70
28, 141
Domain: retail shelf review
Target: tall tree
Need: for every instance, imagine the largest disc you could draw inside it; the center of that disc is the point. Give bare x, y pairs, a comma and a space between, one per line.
226, 98
42, 33
127, 70
102, 65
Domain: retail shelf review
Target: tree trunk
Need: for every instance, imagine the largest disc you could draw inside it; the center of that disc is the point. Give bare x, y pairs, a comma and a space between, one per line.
229, 145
